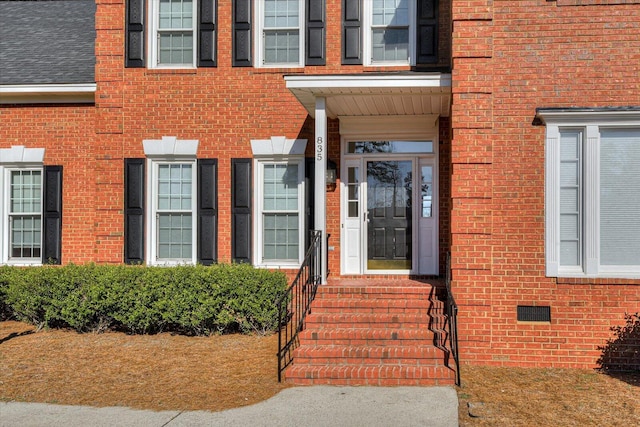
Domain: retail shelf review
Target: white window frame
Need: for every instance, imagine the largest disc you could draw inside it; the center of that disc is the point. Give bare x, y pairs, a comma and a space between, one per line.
278, 150
589, 123
22, 159
168, 150
260, 39
259, 213
367, 20
153, 42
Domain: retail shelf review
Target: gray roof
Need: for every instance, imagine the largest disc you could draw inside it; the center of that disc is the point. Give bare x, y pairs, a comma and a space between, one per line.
44, 42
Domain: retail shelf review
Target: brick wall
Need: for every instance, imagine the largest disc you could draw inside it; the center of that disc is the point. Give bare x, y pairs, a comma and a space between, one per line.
508, 59
66, 134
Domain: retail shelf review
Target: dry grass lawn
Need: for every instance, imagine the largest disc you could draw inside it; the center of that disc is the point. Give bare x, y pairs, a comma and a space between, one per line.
175, 372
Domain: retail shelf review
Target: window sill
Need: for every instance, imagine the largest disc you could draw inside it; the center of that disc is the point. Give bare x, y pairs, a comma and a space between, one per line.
151, 71
597, 280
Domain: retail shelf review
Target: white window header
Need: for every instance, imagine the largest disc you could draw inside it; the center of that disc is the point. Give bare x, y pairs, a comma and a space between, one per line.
170, 146
278, 146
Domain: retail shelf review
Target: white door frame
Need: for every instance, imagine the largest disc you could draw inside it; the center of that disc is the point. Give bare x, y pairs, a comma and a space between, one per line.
354, 233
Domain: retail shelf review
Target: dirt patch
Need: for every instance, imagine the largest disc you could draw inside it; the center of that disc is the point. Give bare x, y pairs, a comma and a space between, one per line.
164, 371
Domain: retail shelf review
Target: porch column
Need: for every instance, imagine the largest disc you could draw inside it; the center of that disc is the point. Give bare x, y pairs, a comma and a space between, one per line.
320, 197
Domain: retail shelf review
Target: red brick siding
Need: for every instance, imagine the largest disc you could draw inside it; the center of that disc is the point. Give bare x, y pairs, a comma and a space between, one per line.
530, 54
66, 134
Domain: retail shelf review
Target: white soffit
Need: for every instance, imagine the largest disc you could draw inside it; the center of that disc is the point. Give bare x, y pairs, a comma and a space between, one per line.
375, 95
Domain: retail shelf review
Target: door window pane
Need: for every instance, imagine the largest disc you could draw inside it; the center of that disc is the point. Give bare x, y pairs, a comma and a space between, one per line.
426, 190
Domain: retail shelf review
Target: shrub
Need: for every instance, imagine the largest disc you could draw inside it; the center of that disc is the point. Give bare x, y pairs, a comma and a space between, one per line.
194, 300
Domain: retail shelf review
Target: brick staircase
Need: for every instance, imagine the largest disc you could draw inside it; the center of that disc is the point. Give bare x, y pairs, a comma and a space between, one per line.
372, 332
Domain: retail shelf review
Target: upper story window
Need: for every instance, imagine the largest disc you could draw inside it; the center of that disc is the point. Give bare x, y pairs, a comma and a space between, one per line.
390, 33
171, 33
280, 38
173, 41
592, 194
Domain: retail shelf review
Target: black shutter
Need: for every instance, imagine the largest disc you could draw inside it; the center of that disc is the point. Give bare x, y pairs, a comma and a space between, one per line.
315, 32
427, 32
134, 211
207, 211
241, 210
52, 221
310, 197
134, 44
351, 32
241, 33
207, 34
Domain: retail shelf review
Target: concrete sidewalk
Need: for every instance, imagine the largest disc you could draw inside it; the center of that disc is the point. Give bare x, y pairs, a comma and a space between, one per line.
314, 406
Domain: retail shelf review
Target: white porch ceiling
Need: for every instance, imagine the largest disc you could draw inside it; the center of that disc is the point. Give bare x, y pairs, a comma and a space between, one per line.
375, 95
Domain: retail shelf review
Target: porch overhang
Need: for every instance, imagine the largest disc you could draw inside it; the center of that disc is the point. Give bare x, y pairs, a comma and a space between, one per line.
386, 94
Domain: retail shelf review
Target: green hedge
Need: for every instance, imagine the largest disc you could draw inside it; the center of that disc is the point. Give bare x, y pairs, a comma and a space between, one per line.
193, 300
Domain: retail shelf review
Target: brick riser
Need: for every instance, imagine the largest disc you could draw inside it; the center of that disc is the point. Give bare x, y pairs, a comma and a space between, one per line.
371, 334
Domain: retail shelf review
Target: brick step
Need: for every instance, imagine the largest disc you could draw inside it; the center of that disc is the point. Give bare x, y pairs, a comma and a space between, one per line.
368, 355
378, 305
387, 292
370, 375
366, 336
368, 320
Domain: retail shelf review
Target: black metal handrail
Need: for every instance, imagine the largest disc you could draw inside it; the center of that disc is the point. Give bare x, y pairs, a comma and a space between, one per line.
451, 313
295, 303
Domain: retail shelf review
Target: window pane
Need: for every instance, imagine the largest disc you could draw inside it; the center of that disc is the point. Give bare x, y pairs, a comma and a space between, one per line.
570, 198
620, 197
175, 14
25, 232
175, 48
383, 147
174, 236
175, 187
281, 13
281, 47
427, 190
391, 44
390, 12
26, 191
280, 187
280, 237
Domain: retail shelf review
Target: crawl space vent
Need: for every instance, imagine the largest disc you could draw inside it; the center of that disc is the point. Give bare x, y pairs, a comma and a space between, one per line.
528, 313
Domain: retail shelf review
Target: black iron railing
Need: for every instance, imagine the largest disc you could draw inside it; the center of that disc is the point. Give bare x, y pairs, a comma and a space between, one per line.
451, 316
295, 303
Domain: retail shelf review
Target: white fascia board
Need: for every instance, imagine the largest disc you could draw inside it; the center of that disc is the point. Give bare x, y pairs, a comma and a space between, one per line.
48, 93
603, 117
366, 81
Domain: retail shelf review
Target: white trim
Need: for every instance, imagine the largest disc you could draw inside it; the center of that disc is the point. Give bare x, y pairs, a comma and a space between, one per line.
423, 128
434, 80
151, 212
48, 93
20, 154
259, 37
5, 182
152, 38
367, 47
170, 147
590, 122
258, 185
278, 146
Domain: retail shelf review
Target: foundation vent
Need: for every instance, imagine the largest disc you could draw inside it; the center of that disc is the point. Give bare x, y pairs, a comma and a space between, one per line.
528, 313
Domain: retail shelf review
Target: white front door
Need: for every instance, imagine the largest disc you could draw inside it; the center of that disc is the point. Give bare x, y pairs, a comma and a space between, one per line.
389, 218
